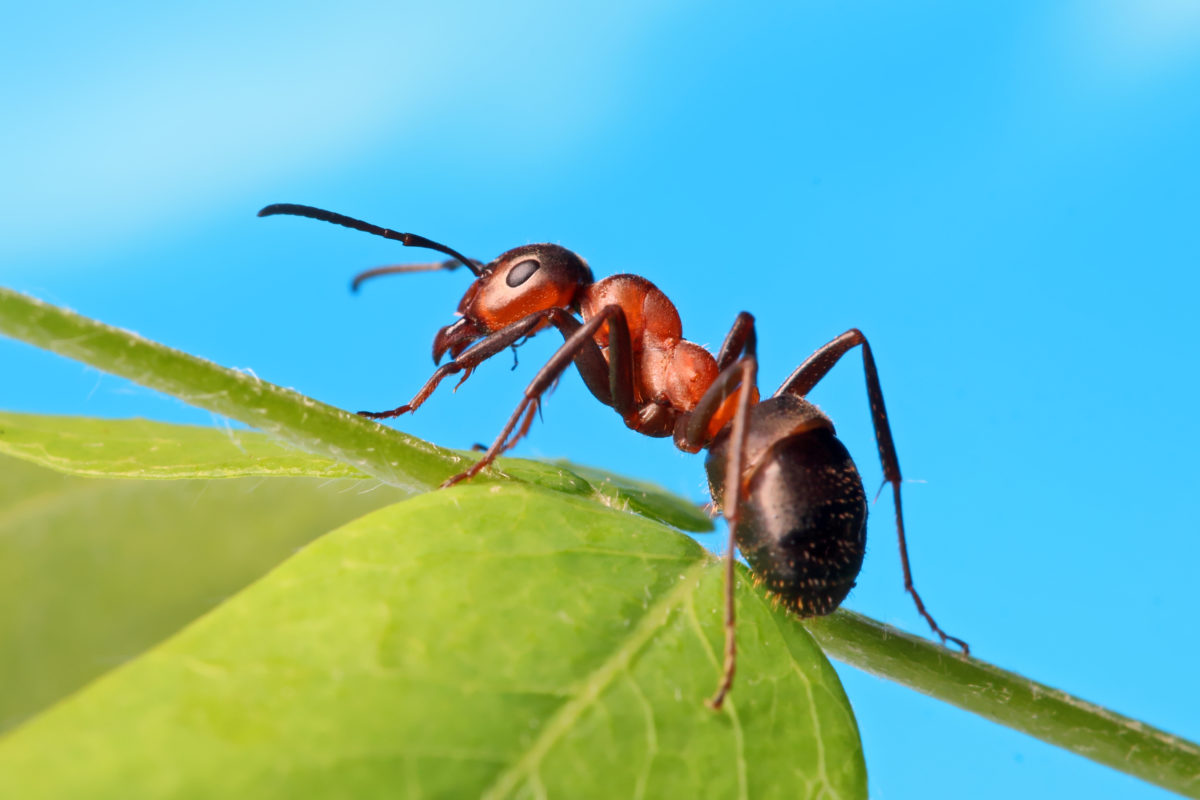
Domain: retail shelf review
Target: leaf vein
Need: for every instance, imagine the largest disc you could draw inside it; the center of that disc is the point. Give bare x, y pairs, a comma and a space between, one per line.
822, 772
593, 685
651, 739
730, 707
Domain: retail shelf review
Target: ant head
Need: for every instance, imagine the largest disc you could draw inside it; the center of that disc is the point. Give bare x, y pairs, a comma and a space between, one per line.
522, 281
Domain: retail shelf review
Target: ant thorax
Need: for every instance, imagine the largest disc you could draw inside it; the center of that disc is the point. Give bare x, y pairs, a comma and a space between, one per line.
671, 371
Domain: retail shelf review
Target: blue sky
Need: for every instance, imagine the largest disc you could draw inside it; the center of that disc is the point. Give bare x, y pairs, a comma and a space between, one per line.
1002, 196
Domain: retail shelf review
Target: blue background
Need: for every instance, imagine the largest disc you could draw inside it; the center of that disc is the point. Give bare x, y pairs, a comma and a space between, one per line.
1002, 196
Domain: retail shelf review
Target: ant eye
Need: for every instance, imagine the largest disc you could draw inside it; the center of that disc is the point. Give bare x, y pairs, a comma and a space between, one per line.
521, 272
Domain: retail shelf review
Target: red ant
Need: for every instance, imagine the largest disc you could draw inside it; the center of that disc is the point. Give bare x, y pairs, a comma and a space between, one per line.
790, 492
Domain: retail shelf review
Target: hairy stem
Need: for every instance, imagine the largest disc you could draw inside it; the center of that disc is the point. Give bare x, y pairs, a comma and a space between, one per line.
387, 454
1048, 714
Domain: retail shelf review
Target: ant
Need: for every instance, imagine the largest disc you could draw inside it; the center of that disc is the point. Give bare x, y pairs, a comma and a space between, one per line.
789, 490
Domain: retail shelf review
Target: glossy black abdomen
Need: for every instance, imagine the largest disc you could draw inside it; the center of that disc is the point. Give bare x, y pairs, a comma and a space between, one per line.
803, 523
802, 519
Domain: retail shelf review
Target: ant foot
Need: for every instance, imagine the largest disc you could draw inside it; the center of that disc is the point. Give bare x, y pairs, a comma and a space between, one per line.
395, 412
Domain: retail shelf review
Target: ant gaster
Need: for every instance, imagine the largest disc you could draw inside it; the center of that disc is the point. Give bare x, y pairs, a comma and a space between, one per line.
788, 488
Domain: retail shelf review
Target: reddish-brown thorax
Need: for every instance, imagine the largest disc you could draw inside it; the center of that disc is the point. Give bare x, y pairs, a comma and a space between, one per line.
669, 371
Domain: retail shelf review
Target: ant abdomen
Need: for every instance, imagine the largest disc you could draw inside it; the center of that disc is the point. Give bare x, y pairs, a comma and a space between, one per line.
802, 518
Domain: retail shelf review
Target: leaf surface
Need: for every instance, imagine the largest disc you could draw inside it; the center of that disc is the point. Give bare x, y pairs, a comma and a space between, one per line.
490, 640
93, 572
140, 448
645, 498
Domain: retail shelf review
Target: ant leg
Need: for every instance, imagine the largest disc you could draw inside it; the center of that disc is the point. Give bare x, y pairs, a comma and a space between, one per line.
610, 380
801, 382
692, 433
740, 339
746, 370
696, 429
481, 351
392, 269
620, 381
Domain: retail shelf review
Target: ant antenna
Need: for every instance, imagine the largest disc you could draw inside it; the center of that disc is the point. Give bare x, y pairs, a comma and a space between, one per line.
432, 266
407, 239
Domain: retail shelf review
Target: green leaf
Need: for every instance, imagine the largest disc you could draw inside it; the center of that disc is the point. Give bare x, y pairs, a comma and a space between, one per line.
93, 572
494, 641
647, 499
139, 448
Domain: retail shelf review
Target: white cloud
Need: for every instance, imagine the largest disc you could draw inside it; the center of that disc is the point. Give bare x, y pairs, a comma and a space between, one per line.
1137, 40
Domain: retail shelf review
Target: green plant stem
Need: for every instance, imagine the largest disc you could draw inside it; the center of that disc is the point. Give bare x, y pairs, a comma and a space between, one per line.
389, 455
1048, 714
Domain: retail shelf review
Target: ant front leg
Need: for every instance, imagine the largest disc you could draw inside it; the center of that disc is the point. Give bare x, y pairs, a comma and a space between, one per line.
580, 348
481, 351
801, 382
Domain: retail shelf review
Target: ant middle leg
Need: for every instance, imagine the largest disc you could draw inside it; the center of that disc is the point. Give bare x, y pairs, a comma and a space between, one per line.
801, 382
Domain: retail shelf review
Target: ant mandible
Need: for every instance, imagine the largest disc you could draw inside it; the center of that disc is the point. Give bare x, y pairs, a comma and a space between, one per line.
788, 488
